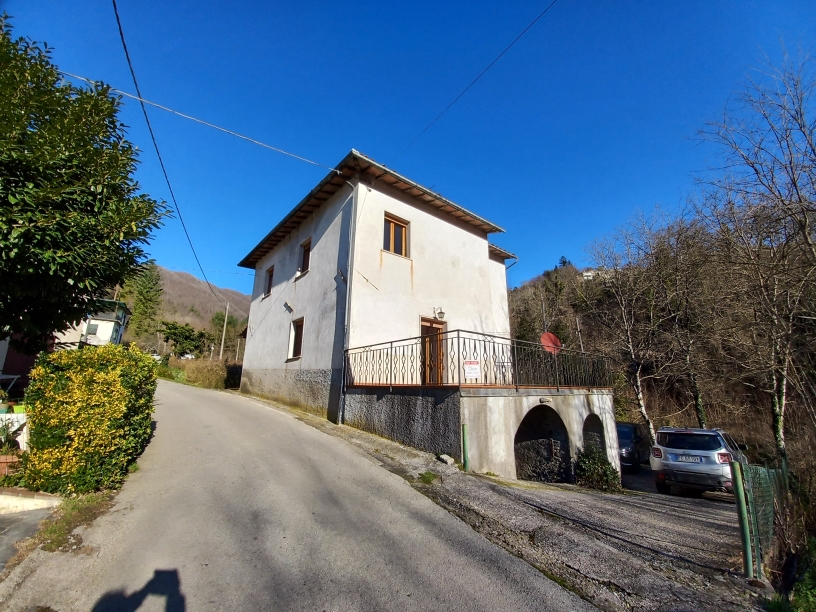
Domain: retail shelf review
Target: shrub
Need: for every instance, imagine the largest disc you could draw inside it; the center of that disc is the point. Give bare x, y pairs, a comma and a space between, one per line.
164, 371
201, 372
90, 417
593, 470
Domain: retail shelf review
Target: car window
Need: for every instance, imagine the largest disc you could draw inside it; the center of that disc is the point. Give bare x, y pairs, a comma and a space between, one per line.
689, 441
731, 443
624, 433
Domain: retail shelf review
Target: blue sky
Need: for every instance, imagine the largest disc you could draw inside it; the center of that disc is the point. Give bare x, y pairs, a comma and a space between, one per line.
589, 118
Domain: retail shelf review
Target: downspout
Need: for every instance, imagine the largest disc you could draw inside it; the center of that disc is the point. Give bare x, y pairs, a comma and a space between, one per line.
349, 275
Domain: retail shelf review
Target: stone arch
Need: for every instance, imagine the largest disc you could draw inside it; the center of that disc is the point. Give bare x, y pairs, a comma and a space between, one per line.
594, 432
542, 447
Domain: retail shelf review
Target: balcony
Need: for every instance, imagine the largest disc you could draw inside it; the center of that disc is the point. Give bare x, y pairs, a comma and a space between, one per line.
470, 359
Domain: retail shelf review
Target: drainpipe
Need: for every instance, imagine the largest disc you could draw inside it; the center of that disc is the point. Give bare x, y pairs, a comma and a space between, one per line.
349, 276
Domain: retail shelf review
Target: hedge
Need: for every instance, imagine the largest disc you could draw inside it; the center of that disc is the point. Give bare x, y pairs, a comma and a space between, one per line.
90, 414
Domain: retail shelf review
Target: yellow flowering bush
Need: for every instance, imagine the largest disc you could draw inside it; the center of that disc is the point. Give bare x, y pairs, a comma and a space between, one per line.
90, 413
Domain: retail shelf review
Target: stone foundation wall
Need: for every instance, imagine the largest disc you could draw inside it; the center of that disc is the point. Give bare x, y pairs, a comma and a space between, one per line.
316, 391
424, 418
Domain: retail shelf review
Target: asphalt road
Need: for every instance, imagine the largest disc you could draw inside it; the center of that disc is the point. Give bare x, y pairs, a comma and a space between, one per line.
238, 506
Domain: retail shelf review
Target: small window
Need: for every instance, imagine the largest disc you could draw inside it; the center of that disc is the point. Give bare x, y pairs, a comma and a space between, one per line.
297, 339
93, 328
269, 275
395, 236
305, 256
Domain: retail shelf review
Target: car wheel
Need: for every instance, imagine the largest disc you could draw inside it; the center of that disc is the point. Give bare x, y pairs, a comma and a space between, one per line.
635, 469
662, 488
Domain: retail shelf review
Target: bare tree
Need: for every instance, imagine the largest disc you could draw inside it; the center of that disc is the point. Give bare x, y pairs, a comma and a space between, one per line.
685, 281
762, 210
623, 302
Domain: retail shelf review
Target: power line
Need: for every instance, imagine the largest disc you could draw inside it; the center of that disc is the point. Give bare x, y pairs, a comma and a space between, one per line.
481, 74
202, 122
158, 153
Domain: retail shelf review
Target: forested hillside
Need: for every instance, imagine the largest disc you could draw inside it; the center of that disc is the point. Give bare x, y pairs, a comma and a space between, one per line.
187, 299
176, 312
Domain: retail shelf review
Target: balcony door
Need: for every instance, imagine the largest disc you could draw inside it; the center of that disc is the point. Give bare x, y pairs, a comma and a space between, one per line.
433, 354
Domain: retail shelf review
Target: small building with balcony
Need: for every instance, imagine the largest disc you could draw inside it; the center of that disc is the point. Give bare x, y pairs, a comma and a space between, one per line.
382, 305
106, 327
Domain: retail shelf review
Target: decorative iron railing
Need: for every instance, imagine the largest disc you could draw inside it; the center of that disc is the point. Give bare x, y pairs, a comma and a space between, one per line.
463, 358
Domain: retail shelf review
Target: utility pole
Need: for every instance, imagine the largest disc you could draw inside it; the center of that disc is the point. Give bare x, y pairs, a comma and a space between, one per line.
238, 350
580, 338
223, 334
544, 306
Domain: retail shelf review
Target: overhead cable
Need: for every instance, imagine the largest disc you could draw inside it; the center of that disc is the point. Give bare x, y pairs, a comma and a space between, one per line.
158, 153
481, 74
202, 122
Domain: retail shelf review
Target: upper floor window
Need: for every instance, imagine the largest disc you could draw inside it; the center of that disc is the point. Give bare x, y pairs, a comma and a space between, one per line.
269, 274
395, 236
305, 256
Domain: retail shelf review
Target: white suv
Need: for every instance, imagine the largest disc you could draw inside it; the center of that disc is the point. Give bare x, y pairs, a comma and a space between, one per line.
693, 458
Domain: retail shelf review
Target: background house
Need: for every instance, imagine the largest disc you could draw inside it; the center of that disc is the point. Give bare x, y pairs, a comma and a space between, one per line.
106, 327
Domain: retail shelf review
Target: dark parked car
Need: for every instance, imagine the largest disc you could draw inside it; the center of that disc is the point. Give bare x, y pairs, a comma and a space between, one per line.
634, 445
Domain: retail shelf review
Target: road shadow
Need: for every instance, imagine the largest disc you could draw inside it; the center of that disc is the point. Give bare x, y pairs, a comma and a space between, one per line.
165, 583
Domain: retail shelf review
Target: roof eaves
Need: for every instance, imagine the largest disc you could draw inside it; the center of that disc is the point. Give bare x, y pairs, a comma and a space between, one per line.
490, 228
348, 167
495, 250
249, 261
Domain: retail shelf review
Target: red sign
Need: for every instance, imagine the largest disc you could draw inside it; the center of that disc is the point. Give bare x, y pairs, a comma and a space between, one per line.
551, 343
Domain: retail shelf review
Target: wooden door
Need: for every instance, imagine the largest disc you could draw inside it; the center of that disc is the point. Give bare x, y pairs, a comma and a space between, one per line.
433, 354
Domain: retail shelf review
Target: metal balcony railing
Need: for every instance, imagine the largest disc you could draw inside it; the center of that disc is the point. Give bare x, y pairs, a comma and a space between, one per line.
471, 359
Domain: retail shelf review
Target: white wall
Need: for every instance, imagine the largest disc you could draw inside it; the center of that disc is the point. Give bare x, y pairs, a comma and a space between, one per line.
314, 296
494, 419
448, 266
104, 332
73, 334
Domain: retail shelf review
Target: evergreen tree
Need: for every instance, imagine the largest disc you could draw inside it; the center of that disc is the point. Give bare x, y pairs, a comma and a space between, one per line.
146, 292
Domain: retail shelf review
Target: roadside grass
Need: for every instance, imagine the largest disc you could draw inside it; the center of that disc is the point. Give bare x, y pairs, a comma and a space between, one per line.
56, 532
428, 477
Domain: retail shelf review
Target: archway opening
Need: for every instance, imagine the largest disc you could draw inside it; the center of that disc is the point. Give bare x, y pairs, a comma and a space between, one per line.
594, 432
542, 447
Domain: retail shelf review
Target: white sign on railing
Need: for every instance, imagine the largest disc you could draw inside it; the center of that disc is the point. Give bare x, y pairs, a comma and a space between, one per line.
472, 369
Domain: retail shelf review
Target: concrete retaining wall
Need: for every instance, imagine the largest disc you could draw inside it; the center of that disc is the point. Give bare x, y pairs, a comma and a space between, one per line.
493, 417
426, 418
317, 391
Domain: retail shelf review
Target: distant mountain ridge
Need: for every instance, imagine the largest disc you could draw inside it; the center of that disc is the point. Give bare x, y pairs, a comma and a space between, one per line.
188, 299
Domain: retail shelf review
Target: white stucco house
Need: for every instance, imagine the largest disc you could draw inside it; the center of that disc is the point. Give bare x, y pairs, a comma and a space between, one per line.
106, 327
383, 305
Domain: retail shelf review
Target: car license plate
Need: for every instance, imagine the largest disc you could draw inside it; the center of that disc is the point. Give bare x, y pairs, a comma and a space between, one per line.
690, 458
